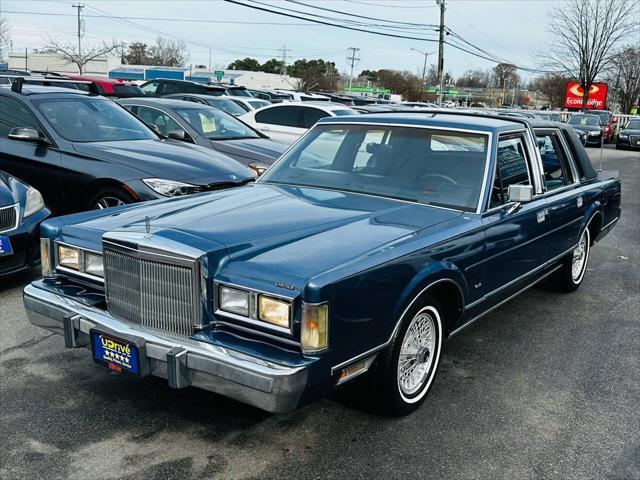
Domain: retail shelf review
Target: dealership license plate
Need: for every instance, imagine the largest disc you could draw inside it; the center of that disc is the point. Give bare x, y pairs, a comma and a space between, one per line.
115, 353
5, 245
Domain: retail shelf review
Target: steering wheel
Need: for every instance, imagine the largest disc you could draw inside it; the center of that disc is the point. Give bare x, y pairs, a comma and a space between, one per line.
438, 175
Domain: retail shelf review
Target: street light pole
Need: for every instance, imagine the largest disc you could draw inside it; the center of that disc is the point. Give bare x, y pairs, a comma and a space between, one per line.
424, 69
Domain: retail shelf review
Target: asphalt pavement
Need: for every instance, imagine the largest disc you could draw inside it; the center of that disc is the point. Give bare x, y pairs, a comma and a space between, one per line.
545, 387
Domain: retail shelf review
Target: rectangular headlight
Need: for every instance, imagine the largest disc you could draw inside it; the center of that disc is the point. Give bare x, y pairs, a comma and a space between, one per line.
69, 257
45, 256
315, 327
274, 311
93, 264
234, 301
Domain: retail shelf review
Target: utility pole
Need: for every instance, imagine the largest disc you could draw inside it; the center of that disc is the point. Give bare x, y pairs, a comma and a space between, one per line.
284, 50
79, 6
351, 61
209, 80
441, 3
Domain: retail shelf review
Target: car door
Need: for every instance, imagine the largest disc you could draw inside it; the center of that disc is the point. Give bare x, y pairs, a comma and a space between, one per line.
515, 244
563, 192
38, 164
281, 123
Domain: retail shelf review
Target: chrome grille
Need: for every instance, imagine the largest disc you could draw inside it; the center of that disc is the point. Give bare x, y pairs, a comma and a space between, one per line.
152, 294
8, 218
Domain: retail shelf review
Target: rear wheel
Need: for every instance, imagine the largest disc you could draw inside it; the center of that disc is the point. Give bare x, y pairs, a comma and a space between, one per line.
569, 277
404, 373
110, 197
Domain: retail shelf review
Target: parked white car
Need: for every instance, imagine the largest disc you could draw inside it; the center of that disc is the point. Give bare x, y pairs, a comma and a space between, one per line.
249, 104
306, 96
286, 122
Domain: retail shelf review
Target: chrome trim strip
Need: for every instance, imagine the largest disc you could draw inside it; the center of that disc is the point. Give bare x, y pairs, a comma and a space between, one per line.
288, 341
609, 224
251, 321
16, 207
466, 324
355, 359
521, 277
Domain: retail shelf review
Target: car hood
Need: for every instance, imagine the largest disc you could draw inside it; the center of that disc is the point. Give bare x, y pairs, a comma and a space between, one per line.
629, 131
267, 228
249, 150
587, 128
11, 189
169, 160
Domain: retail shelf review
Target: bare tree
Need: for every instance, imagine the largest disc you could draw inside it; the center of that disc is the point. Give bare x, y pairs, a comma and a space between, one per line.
553, 86
5, 34
71, 54
168, 53
584, 34
626, 72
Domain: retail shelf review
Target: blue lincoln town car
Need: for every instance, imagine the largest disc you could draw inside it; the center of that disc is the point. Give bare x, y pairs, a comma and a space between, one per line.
371, 241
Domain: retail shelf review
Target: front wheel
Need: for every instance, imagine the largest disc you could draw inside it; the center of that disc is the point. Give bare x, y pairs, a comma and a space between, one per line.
110, 197
569, 277
405, 372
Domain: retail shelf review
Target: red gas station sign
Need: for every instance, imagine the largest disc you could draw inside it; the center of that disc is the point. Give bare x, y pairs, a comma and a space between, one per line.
597, 96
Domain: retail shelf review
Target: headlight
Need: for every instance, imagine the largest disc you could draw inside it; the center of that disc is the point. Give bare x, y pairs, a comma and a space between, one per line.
34, 202
623, 135
45, 257
170, 188
69, 257
274, 311
593, 133
234, 301
93, 264
315, 327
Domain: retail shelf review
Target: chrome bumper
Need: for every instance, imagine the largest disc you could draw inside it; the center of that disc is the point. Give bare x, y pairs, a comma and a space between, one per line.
183, 363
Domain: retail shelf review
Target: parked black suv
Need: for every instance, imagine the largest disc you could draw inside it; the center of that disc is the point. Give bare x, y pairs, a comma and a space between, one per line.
165, 86
83, 151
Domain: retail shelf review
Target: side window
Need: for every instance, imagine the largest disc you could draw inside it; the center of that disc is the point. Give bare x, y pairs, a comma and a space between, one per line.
286, 116
310, 116
168, 88
160, 119
512, 168
265, 116
555, 165
150, 87
14, 114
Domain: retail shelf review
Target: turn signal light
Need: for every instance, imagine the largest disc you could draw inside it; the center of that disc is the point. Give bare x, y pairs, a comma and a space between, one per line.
315, 327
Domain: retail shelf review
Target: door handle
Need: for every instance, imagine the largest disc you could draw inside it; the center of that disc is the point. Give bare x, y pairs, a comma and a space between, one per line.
579, 202
265, 129
542, 215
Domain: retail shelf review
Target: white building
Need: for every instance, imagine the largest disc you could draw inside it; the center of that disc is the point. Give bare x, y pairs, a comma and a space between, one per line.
249, 79
99, 66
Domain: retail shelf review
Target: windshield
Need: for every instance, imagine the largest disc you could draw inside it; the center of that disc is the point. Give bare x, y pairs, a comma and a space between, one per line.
633, 125
128, 89
604, 116
239, 92
435, 167
584, 120
86, 119
215, 124
258, 103
226, 105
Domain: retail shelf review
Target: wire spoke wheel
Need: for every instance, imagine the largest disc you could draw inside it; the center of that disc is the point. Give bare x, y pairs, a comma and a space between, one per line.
417, 353
579, 258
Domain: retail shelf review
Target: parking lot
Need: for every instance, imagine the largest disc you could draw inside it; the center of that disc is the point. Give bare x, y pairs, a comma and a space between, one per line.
545, 387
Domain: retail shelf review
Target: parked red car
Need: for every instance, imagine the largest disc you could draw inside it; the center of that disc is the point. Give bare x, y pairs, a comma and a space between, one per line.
109, 87
608, 123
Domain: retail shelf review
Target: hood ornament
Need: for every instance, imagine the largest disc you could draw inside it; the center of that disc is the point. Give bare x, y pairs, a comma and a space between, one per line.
147, 225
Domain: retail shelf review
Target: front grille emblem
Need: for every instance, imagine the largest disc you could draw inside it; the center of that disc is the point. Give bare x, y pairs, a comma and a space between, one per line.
147, 225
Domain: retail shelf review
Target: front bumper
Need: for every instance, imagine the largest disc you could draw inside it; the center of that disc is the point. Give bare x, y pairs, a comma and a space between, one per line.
183, 362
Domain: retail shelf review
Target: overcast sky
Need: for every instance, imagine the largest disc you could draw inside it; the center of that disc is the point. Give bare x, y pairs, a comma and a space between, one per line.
510, 29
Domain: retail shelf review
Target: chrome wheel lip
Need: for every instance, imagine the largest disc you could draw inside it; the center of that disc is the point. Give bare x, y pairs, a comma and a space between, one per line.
579, 258
419, 354
107, 202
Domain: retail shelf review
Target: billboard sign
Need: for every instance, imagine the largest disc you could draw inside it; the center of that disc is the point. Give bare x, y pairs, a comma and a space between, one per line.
597, 96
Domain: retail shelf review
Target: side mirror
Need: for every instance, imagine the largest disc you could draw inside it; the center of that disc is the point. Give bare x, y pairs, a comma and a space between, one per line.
177, 135
25, 134
520, 193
